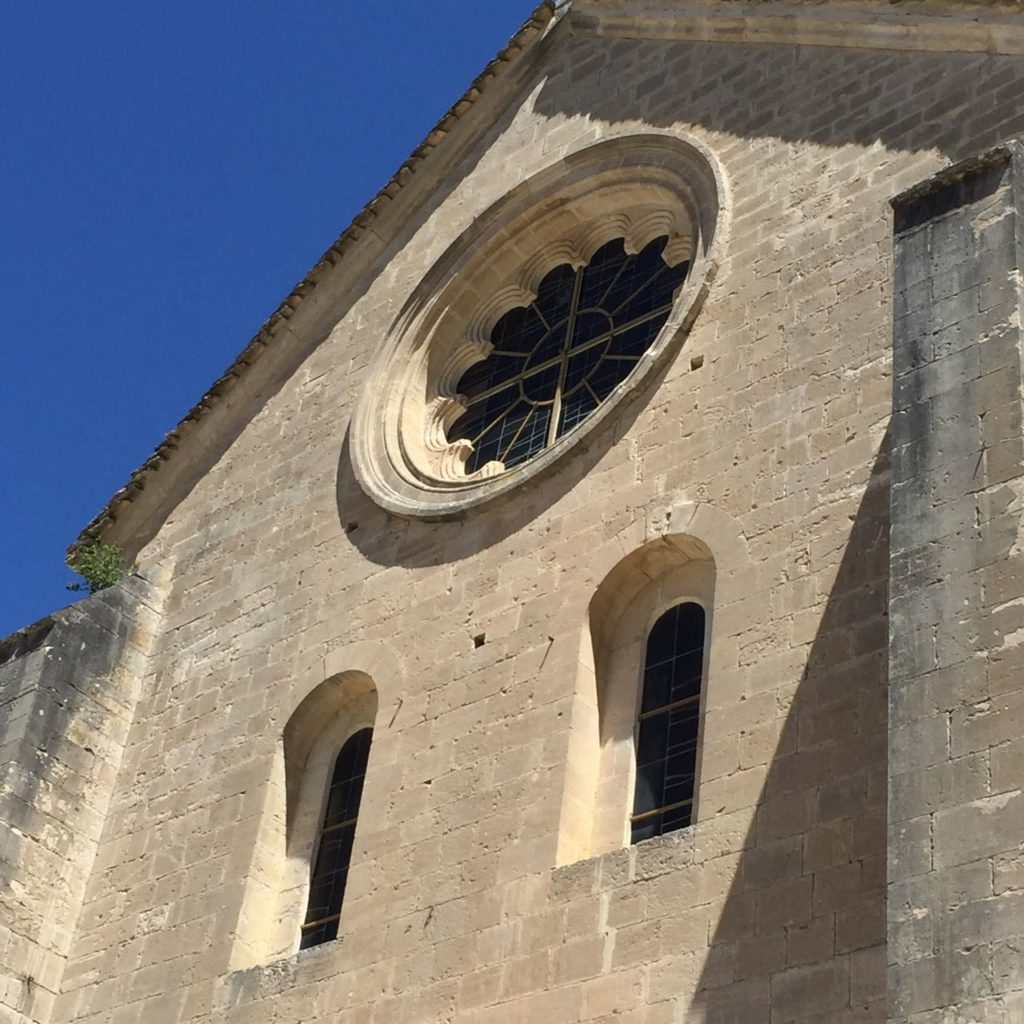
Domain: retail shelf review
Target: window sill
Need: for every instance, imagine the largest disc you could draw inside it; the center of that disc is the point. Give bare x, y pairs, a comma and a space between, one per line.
253, 984
647, 859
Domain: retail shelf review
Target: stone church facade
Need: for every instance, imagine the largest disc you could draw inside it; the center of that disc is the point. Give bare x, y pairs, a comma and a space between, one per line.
816, 452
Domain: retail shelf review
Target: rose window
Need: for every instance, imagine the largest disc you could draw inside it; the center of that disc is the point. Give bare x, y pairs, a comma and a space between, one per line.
564, 298
556, 360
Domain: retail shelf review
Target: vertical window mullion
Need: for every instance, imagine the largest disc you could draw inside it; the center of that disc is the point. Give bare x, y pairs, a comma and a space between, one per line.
570, 331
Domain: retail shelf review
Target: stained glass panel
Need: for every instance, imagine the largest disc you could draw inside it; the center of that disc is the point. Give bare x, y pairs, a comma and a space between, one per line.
555, 361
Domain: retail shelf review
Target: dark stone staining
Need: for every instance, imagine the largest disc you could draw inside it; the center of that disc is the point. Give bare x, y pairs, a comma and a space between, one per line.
25, 641
961, 185
957, 439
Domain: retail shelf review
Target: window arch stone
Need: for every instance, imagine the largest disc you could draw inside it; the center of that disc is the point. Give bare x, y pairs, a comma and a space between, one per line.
687, 553
636, 188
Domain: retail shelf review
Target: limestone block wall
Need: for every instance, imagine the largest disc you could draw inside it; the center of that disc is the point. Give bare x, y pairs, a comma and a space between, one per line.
774, 419
956, 806
68, 687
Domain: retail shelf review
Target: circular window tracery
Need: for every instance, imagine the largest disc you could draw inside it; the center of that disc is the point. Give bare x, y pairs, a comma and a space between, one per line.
556, 360
538, 320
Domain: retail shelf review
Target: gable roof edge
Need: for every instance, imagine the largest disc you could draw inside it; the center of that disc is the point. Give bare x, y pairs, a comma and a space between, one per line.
536, 27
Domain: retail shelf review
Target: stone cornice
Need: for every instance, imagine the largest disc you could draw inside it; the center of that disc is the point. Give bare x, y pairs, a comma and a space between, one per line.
969, 27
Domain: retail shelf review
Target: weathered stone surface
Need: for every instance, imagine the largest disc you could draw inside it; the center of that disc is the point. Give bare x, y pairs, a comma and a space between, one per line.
956, 821
68, 688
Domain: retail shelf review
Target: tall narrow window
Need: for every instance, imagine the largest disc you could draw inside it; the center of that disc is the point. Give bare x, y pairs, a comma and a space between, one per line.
334, 849
669, 720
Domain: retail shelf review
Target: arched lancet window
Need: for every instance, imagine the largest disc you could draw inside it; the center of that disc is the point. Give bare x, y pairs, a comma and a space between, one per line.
334, 849
669, 722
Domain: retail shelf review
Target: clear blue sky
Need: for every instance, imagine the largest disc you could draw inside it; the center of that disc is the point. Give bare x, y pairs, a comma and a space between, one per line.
170, 170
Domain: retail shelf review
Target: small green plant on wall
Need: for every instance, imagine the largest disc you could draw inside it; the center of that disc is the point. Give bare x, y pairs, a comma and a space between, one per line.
100, 565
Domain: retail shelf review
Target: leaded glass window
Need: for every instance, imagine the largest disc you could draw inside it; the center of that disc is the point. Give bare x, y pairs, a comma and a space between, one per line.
669, 721
555, 361
334, 849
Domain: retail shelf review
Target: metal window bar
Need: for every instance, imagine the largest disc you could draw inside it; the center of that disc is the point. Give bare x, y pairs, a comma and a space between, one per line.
644, 715
322, 920
634, 818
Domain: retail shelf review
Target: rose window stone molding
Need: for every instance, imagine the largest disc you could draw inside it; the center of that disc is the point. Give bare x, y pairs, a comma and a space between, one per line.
634, 223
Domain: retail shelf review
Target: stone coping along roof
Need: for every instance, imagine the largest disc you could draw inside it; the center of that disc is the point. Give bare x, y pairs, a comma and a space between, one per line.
177, 444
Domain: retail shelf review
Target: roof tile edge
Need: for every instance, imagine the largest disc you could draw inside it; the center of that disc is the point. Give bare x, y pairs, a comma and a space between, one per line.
534, 28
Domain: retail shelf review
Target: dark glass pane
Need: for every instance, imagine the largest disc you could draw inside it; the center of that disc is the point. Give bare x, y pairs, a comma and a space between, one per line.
576, 408
497, 436
683, 725
650, 785
658, 686
475, 420
325, 896
335, 851
327, 885
677, 788
555, 294
634, 341
679, 632
351, 763
608, 375
686, 671
320, 933
659, 824
518, 331
343, 801
648, 828
581, 364
541, 386
636, 275
679, 817
649, 285
653, 741
589, 324
690, 626
548, 347
532, 438
506, 432
490, 373
600, 274
661, 641
347, 779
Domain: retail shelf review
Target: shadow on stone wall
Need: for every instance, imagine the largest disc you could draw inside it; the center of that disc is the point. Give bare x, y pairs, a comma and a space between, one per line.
802, 928
747, 91
904, 100
386, 539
